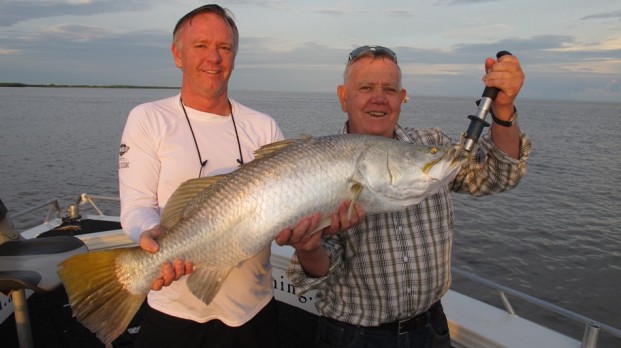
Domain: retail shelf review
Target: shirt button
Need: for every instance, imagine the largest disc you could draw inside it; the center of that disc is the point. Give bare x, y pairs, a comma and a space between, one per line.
406, 259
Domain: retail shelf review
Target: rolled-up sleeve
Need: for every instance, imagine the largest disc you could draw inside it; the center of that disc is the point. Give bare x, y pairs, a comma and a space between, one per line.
303, 282
489, 170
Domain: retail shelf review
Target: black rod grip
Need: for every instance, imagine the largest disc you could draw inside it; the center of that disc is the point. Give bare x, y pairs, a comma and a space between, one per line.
492, 92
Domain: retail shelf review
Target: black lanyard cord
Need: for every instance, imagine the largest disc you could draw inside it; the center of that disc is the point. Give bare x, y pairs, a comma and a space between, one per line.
202, 163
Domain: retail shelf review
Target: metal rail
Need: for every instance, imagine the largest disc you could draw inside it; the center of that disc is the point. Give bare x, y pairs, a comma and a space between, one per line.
592, 328
52, 203
89, 198
54, 207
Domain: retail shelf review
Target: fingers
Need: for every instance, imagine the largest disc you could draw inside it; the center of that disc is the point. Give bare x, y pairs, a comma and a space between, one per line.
168, 272
360, 213
305, 228
341, 221
505, 74
283, 237
189, 267
158, 284
302, 236
171, 272
147, 239
167, 275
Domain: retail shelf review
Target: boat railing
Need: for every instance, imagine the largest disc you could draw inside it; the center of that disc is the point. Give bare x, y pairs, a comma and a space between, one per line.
86, 198
592, 328
55, 211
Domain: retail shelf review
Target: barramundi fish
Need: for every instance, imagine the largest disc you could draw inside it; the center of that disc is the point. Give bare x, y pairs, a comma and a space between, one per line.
218, 222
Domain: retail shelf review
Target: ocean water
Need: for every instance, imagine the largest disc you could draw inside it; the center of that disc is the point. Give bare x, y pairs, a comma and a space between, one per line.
557, 236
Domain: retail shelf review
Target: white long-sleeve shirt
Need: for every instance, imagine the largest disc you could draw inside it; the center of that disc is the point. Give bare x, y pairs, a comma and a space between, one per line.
157, 154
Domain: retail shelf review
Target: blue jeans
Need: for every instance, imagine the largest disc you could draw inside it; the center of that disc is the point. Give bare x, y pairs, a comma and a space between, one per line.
335, 334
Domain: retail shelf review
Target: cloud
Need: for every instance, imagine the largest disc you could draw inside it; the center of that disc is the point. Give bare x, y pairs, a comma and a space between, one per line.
401, 13
80, 54
331, 12
614, 14
15, 11
461, 2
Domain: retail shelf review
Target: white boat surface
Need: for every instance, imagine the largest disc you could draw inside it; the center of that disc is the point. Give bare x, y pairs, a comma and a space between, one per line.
472, 322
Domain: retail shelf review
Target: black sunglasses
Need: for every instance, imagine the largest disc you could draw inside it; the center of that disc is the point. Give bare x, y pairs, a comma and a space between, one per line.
376, 50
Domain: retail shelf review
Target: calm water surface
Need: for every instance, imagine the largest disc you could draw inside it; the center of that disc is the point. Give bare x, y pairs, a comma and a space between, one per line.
556, 236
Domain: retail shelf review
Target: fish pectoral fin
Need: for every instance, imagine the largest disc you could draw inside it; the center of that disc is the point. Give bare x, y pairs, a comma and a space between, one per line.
356, 189
205, 282
174, 209
325, 222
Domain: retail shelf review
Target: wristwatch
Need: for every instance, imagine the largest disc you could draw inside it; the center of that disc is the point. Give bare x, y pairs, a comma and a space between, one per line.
508, 123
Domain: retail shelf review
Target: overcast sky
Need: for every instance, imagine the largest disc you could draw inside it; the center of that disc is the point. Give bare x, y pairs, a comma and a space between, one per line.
569, 49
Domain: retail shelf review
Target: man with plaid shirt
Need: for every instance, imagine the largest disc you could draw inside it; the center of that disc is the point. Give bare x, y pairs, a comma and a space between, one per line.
380, 278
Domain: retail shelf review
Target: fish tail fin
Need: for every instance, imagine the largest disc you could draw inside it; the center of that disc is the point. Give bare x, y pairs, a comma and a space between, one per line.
98, 299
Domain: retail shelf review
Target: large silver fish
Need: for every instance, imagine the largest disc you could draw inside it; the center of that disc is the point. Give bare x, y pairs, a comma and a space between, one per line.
220, 221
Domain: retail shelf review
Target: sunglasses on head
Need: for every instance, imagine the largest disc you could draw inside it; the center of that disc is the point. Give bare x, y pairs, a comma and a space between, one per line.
375, 50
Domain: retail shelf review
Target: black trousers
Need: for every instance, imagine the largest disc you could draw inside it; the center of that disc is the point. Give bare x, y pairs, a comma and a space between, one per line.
432, 332
161, 330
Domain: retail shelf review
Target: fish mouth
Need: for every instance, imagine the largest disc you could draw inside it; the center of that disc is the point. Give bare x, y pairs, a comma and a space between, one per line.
455, 153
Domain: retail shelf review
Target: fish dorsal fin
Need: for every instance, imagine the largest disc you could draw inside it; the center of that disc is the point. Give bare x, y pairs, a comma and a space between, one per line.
268, 150
175, 207
205, 282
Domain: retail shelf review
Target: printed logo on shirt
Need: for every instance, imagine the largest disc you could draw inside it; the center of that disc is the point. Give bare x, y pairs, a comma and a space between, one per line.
123, 150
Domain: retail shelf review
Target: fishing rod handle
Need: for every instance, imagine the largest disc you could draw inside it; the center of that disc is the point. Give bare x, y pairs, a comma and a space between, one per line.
492, 92
477, 122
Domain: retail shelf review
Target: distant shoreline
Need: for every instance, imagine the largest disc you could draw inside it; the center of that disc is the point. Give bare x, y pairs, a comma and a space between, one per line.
53, 85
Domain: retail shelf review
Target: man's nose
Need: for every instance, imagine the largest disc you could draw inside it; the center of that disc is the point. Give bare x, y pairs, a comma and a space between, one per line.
378, 96
213, 55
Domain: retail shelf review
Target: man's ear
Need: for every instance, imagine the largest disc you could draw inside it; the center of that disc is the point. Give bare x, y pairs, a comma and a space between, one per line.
176, 55
341, 92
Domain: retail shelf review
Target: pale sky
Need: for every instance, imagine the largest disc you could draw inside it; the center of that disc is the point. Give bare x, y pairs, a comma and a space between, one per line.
569, 49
